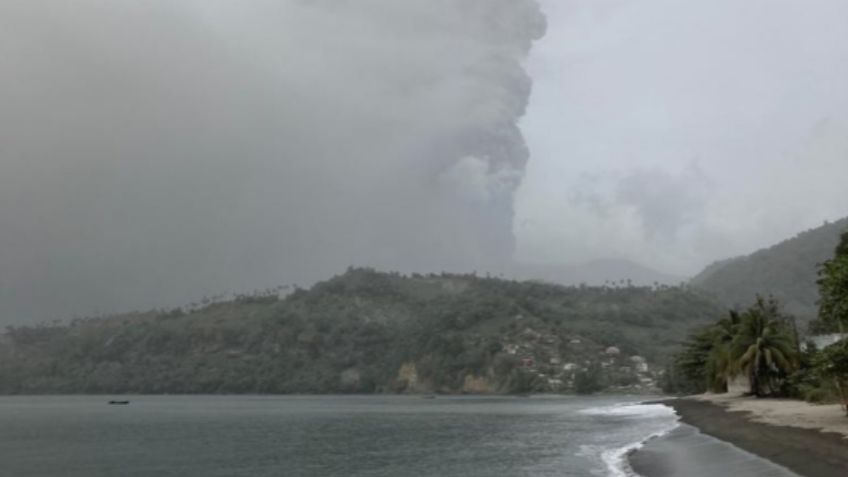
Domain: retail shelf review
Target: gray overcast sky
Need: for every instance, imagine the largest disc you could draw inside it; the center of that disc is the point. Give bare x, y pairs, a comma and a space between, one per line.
675, 133
155, 152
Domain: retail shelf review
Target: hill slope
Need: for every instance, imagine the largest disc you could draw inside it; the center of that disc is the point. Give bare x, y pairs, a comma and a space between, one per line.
787, 270
598, 272
366, 331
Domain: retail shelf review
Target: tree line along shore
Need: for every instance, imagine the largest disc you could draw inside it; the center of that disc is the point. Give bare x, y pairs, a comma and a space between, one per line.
759, 352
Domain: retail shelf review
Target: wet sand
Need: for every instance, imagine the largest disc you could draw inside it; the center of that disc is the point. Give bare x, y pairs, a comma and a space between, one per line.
687, 452
807, 452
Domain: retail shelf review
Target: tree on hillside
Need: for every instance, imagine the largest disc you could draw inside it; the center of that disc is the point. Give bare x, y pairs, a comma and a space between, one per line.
833, 286
589, 380
786, 270
764, 347
832, 364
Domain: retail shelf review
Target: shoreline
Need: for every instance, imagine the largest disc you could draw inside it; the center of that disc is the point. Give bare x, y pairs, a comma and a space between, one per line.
798, 447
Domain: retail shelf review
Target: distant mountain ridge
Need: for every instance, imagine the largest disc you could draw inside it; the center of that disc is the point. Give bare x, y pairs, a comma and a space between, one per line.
788, 271
598, 272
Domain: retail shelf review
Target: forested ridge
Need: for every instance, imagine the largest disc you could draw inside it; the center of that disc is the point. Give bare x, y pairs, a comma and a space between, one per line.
761, 350
786, 271
366, 331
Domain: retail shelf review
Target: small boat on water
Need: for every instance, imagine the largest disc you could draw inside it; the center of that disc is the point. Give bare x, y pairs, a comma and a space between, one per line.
119, 403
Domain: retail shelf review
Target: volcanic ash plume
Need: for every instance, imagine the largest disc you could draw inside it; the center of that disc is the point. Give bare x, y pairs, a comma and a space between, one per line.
157, 151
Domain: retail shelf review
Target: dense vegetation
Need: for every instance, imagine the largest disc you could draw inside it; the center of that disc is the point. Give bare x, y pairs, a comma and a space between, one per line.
364, 332
786, 271
832, 363
759, 344
762, 345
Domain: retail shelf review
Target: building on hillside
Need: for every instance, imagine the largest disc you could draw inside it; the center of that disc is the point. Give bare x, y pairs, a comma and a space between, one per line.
639, 363
823, 341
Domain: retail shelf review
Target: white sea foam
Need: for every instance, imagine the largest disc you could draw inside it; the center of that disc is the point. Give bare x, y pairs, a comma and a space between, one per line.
616, 459
634, 410
660, 420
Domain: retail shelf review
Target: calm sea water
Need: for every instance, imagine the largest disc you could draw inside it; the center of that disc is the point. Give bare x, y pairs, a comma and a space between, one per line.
323, 436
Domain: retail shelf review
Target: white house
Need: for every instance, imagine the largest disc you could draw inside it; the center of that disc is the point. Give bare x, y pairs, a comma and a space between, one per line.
823, 341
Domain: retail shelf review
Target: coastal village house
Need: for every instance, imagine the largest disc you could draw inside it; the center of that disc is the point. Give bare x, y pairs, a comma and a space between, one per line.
823, 341
739, 384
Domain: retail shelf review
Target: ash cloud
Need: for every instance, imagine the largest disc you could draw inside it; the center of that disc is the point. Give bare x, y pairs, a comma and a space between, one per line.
155, 152
626, 94
665, 203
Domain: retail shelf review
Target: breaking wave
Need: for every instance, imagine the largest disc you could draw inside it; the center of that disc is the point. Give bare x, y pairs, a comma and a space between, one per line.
651, 421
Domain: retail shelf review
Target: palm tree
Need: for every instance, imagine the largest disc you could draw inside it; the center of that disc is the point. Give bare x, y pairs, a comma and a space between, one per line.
720, 366
707, 358
763, 347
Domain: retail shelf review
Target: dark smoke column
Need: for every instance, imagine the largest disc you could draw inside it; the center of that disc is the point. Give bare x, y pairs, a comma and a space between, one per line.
476, 164
156, 152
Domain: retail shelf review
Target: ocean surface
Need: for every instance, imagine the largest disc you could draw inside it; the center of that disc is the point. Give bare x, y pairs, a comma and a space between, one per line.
372, 436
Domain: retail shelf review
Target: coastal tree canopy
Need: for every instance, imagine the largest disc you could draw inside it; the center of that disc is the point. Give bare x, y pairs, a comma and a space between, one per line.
764, 348
833, 286
832, 364
758, 343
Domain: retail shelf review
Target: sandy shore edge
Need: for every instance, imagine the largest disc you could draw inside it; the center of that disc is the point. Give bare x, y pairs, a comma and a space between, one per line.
812, 441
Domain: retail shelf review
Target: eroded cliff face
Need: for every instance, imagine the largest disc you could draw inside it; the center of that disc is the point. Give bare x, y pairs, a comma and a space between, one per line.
408, 380
479, 385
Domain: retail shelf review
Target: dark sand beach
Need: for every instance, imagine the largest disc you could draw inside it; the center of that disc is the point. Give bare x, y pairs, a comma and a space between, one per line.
806, 452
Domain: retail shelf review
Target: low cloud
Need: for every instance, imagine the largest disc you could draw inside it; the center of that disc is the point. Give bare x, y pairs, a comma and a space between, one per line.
627, 94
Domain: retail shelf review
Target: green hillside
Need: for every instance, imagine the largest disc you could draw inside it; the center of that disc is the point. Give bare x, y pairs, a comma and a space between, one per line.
787, 270
364, 332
